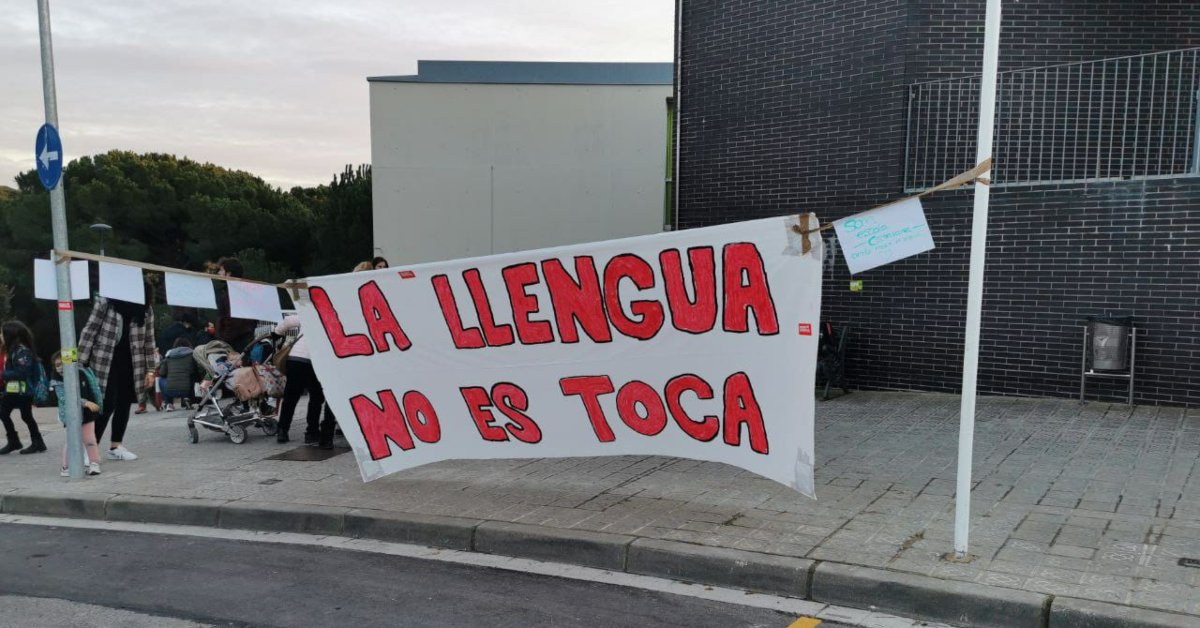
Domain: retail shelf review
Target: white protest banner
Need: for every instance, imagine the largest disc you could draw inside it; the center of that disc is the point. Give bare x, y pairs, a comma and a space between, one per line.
189, 291
45, 284
121, 282
698, 344
884, 235
254, 301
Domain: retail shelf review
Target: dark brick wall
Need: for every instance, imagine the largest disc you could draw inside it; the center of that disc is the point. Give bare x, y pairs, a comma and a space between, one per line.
947, 37
775, 94
1055, 255
800, 106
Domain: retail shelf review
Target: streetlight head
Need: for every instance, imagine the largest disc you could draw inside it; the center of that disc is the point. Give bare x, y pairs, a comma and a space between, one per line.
101, 228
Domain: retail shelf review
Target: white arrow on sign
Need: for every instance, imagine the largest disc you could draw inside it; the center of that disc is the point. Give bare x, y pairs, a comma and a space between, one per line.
47, 156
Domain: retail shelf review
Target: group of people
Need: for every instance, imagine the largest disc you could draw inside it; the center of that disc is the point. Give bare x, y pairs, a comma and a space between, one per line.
116, 349
302, 379
121, 361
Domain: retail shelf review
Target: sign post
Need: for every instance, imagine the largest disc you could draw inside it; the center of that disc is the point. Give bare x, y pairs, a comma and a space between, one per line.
983, 151
49, 156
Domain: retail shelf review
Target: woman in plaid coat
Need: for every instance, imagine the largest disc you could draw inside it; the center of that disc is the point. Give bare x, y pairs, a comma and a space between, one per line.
117, 343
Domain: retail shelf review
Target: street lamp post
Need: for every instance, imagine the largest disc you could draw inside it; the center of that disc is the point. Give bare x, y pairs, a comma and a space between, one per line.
102, 230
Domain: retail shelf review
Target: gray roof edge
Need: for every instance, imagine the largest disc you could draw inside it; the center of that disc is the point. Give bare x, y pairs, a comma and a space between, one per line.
536, 73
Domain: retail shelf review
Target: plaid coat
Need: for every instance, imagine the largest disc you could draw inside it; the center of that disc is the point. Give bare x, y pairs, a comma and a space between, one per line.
98, 342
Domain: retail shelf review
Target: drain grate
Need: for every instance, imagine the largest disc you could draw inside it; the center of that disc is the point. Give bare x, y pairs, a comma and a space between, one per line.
1189, 562
308, 454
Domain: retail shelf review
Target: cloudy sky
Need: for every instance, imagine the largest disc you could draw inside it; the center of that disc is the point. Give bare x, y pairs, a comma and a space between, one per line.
277, 88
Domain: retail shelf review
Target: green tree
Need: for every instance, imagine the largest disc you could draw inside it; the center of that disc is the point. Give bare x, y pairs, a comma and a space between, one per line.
182, 213
342, 216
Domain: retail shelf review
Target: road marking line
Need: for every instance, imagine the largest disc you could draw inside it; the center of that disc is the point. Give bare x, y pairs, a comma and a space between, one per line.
805, 622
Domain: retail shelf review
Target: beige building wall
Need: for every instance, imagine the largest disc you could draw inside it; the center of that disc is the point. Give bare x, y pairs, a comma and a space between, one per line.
462, 170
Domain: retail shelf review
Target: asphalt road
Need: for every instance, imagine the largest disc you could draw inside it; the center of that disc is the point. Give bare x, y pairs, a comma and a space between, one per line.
242, 583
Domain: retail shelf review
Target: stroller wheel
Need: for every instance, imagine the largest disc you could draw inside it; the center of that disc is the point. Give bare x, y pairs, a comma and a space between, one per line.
270, 427
193, 434
237, 434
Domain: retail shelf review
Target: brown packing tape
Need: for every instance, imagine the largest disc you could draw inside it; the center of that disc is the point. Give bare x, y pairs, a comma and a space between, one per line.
295, 287
804, 231
805, 245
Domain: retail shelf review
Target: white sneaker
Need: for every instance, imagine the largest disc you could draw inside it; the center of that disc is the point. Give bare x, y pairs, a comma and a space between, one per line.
169, 408
120, 453
65, 473
94, 468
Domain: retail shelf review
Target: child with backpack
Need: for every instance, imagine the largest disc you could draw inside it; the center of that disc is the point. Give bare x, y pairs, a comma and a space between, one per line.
24, 383
93, 400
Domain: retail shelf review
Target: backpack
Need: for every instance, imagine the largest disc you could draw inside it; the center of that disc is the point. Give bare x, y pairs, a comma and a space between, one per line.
39, 385
89, 379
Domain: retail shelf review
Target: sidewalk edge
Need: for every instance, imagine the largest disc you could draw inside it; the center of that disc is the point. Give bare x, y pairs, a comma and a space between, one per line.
868, 588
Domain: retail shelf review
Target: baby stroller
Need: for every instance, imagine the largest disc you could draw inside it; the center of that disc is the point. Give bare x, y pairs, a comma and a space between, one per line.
229, 408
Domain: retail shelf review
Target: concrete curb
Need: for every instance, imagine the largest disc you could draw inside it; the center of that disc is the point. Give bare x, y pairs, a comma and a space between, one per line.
778, 575
912, 595
579, 547
448, 532
1072, 613
71, 505
281, 517
923, 597
172, 510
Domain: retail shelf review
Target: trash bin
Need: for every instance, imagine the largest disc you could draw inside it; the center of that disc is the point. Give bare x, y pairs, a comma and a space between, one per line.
1110, 342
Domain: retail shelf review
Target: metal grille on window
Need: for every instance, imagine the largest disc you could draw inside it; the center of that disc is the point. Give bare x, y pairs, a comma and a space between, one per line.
1124, 118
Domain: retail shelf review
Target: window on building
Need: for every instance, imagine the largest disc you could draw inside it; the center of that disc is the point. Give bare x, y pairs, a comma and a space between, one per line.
1124, 118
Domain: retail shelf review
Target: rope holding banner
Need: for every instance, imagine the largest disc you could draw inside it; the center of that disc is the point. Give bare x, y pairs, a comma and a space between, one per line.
62, 257
294, 287
974, 175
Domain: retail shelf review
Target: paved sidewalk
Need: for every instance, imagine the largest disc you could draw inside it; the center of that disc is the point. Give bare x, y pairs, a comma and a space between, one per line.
1095, 501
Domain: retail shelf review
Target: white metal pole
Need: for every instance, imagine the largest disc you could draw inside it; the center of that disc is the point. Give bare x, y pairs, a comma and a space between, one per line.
983, 150
58, 219
678, 121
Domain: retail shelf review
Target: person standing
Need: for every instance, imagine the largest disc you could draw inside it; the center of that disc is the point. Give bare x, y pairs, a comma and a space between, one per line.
91, 400
238, 332
20, 368
300, 379
117, 343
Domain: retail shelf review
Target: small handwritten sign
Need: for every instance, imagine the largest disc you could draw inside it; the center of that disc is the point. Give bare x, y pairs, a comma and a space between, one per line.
885, 235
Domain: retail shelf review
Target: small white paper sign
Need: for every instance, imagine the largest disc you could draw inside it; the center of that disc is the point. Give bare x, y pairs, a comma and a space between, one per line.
189, 291
121, 282
254, 301
45, 283
882, 236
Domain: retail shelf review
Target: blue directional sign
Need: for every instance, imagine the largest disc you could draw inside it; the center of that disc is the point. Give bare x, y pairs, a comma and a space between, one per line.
48, 154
